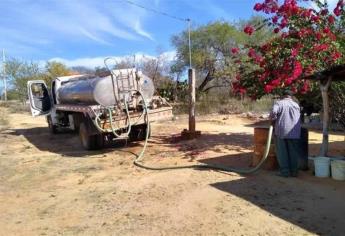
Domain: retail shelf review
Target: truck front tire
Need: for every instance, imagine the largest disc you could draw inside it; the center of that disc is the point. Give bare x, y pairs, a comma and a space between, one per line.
52, 128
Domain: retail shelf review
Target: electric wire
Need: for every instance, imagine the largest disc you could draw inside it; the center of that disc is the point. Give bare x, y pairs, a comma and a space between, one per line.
156, 11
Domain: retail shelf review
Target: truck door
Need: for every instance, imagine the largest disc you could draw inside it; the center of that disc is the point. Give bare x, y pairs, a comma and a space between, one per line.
40, 102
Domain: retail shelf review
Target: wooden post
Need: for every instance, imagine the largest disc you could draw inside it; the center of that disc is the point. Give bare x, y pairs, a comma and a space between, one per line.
324, 85
191, 78
191, 133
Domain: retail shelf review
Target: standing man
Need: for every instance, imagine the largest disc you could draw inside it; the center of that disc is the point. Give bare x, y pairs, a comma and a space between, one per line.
285, 116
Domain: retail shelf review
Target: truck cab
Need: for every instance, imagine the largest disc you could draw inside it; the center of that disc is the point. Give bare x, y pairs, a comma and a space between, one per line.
42, 101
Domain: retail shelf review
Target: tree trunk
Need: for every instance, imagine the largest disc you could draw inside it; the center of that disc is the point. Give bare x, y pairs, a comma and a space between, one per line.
209, 77
324, 86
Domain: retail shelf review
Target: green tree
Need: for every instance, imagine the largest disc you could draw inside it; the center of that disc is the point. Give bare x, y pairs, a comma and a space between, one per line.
211, 51
20, 72
55, 69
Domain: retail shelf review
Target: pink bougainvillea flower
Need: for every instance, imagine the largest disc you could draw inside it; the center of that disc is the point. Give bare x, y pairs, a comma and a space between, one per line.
318, 36
321, 47
297, 71
288, 81
235, 50
331, 19
283, 23
337, 11
326, 30
258, 7
252, 53
324, 12
294, 52
268, 88
242, 90
275, 82
275, 19
315, 18
305, 88
293, 89
248, 30
336, 56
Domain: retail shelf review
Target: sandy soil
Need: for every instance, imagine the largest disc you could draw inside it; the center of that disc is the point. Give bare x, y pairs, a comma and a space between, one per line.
50, 186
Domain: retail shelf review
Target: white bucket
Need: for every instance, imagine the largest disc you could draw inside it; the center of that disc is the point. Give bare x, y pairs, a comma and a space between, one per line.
338, 169
322, 166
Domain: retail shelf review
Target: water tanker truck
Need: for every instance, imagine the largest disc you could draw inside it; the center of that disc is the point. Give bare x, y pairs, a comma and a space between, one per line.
120, 105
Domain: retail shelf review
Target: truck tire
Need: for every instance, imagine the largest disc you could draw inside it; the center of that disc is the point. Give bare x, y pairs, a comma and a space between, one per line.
52, 128
90, 142
138, 132
99, 141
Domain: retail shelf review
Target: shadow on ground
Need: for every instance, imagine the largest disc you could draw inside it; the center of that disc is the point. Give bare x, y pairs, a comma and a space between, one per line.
65, 143
240, 160
218, 143
303, 202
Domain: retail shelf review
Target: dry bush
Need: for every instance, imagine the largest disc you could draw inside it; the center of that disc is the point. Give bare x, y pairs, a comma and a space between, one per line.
14, 106
3, 119
224, 104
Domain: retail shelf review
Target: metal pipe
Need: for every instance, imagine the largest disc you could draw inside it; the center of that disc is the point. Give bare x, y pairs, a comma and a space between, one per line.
189, 44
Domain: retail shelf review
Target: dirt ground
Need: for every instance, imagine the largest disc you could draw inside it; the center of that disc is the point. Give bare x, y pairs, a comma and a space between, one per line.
50, 186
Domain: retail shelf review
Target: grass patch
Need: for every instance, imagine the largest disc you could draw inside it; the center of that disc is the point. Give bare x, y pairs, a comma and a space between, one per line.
14, 106
3, 118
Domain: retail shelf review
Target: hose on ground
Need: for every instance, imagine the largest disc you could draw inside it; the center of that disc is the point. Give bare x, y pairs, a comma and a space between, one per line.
138, 160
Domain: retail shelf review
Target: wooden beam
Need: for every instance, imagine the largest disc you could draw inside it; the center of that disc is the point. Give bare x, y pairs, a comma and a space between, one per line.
191, 80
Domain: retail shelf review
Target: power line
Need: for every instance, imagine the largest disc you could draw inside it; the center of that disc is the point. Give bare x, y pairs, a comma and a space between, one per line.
156, 11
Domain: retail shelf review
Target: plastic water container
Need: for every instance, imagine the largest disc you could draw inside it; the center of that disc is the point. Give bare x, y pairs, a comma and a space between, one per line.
338, 169
322, 166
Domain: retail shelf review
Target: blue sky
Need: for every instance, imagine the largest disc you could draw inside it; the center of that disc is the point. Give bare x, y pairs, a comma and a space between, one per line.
85, 31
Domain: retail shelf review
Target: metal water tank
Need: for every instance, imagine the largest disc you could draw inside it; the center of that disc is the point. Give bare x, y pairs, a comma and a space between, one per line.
88, 91
106, 91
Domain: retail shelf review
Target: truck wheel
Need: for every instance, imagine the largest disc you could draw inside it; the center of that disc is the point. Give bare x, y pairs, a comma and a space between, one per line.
52, 128
85, 138
90, 142
99, 141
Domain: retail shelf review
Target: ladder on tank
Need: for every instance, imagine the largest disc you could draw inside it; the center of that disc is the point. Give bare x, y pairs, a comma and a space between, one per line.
125, 83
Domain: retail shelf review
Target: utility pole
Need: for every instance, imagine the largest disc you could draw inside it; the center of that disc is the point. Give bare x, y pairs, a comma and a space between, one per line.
4, 74
191, 133
189, 44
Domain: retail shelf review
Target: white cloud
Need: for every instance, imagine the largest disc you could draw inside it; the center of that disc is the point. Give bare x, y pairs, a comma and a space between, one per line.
89, 62
142, 32
92, 62
132, 18
93, 37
